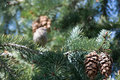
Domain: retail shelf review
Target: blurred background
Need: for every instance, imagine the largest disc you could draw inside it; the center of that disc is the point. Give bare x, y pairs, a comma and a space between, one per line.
16, 17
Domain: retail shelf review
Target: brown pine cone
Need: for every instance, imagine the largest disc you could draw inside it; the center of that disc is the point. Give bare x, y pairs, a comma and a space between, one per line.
35, 26
91, 64
42, 21
105, 64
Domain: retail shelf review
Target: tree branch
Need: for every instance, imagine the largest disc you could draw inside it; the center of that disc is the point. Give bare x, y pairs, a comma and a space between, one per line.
21, 46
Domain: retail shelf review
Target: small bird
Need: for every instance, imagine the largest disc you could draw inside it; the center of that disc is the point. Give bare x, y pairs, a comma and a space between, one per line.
40, 36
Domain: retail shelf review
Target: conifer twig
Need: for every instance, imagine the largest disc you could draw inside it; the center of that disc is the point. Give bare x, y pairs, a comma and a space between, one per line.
21, 46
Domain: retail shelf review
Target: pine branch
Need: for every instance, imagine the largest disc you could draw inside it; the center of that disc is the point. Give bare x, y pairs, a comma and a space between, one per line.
104, 39
20, 46
11, 40
26, 53
13, 68
78, 42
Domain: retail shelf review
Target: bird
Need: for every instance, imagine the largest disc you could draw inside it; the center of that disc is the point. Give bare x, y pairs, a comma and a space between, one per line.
40, 36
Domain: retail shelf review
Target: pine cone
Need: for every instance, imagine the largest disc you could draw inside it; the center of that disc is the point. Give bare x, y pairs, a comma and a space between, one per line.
105, 64
91, 64
42, 21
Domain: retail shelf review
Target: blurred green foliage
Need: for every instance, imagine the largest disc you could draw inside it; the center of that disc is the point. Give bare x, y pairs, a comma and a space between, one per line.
73, 30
